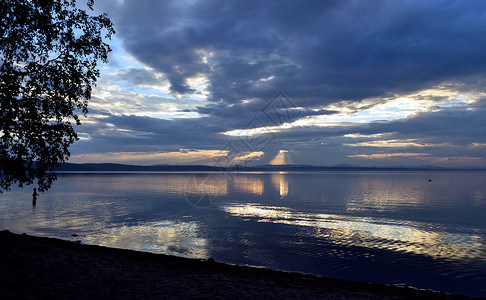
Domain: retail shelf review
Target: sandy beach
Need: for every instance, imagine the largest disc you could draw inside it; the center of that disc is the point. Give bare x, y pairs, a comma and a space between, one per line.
45, 268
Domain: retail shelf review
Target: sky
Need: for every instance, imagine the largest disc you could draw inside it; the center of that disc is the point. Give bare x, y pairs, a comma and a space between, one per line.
370, 83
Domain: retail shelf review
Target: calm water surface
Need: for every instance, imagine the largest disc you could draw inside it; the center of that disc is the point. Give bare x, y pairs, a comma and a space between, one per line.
394, 227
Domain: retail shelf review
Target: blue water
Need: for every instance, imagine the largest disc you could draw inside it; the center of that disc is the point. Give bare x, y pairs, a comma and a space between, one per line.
386, 227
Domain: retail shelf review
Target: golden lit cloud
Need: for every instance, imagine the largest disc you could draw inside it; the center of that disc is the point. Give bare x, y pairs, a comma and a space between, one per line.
183, 156
248, 156
477, 145
387, 155
397, 143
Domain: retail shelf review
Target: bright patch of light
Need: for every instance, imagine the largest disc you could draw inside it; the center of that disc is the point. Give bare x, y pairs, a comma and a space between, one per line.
83, 137
371, 110
257, 131
478, 144
199, 83
282, 158
281, 184
267, 79
396, 109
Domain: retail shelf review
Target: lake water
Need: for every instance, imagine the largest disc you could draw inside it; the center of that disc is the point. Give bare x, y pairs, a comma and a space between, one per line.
385, 227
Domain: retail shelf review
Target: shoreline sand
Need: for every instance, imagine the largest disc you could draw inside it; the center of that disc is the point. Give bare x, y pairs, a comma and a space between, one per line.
47, 268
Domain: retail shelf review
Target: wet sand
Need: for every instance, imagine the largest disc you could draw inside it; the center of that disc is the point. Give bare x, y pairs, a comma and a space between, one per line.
45, 268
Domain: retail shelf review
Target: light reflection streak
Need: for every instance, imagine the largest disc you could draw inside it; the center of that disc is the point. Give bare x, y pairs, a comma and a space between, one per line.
247, 184
155, 183
204, 184
378, 233
386, 195
168, 237
281, 184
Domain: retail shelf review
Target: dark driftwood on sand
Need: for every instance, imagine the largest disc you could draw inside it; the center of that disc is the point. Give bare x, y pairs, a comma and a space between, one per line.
45, 268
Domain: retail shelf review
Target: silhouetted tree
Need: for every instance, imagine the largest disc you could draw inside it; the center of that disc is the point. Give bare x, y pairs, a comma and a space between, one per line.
49, 50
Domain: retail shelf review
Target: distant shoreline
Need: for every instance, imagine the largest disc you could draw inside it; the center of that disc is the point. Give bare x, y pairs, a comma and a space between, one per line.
42, 267
109, 167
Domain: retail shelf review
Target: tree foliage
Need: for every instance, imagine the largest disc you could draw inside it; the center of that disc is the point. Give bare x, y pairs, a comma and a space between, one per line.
49, 50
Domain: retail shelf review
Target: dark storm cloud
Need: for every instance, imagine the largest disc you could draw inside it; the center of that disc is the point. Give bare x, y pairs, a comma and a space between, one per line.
140, 77
316, 51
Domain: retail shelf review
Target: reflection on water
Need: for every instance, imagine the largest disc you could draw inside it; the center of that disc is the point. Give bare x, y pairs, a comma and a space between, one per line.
175, 238
394, 228
202, 190
371, 232
248, 184
386, 194
281, 184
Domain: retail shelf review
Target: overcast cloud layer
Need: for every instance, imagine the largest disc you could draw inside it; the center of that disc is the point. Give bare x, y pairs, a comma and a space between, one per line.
364, 82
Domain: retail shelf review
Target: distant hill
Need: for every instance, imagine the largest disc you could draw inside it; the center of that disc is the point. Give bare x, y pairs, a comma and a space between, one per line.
110, 167
132, 168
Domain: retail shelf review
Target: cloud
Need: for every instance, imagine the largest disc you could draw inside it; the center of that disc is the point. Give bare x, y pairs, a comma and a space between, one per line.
142, 77
364, 78
180, 157
183, 156
388, 155
481, 145
320, 52
396, 144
